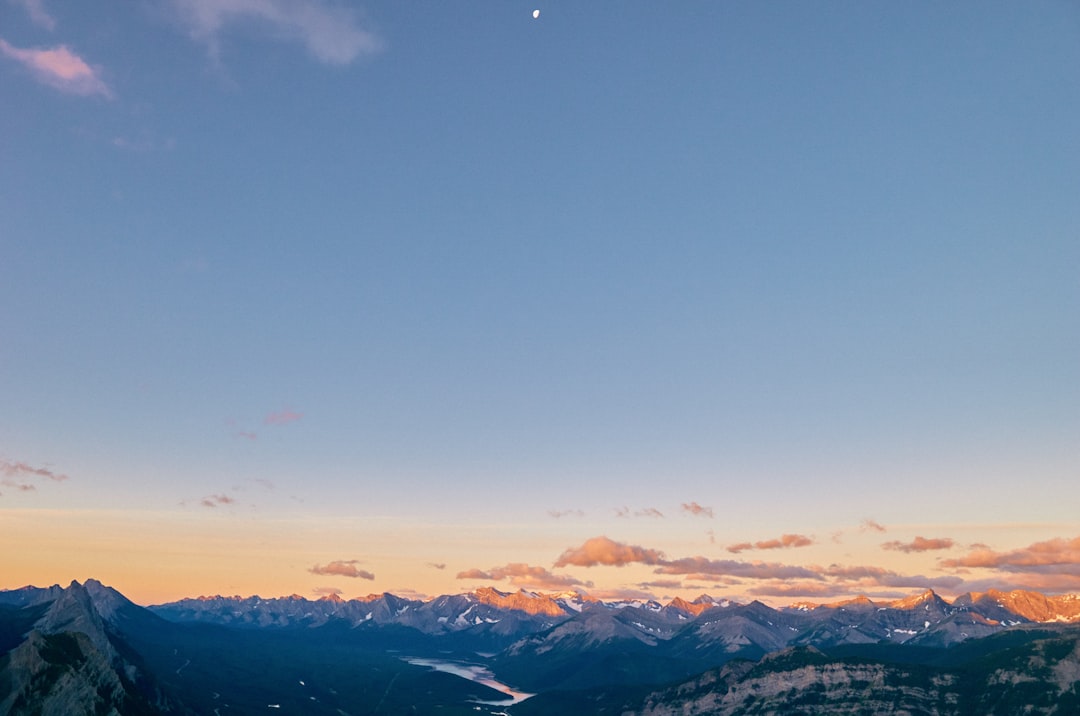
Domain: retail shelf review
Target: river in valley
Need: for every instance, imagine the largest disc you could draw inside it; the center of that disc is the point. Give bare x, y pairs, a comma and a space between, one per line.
472, 672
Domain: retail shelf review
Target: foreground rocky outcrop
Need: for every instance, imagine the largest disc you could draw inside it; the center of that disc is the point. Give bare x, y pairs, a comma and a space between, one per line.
1042, 677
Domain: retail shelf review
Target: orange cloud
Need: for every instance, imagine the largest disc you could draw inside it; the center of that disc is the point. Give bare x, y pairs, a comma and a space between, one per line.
282, 417
919, 544
215, 500
605, 551
697, 510
784, 542
326, 591
59, 68
342, 568
1059, 553
520, 574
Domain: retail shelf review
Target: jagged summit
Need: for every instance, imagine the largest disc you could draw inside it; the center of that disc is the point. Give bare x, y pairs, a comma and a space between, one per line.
918, 600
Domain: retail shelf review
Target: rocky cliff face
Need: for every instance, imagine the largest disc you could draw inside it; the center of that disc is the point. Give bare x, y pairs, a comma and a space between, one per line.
1038, 677
62, 674
68, 665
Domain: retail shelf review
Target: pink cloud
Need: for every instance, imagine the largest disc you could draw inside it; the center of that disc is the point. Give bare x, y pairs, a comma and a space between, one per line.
342, 568
282, 417
16, 470
605, 551
60, 68
703, 568
871, 525
215, 500
643, 512
329, 31
697, 510
919, 544
1058, 553
783, 542
520, 574
38, 15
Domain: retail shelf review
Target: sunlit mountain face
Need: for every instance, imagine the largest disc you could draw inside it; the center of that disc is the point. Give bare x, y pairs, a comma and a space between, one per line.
85, 648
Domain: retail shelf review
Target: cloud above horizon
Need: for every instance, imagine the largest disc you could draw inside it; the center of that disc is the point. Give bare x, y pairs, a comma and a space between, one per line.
697, 510
919, 544
774, 578
787, 541
59, 68
216, 500
19, 470
608, 552
282, 417
330, 31
1060, 554
521, 574
342, 568
643, 512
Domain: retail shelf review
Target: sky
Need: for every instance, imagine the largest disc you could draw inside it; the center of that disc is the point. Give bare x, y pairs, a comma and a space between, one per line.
773, 301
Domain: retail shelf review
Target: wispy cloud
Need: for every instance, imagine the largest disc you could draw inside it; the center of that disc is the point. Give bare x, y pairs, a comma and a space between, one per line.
59, 68
330, 31
437, 565
643, 512
326, 591
37, 12
557, 514
869, 525
783, 542
21, 470
520, 574
1059, 553
606, 551
342, 568
282, 417
216, 500
704, 568
697, 510
919, 544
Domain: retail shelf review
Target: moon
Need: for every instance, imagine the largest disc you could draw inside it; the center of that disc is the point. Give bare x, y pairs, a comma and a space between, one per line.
536, 14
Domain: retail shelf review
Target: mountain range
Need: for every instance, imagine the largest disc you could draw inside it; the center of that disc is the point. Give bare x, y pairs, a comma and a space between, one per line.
85, 648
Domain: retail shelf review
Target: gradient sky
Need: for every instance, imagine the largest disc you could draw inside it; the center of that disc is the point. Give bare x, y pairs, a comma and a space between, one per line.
775, 300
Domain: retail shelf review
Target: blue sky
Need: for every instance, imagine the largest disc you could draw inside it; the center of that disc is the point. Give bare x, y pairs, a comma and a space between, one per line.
408, 264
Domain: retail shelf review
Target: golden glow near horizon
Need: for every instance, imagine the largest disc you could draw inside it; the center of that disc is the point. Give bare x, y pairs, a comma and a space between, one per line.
155, 557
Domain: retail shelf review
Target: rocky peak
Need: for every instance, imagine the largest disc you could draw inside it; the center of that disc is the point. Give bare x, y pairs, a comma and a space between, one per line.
696, 607
522, 601
74, 611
